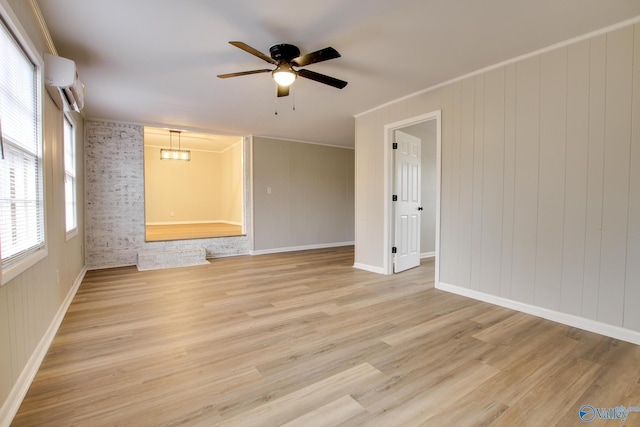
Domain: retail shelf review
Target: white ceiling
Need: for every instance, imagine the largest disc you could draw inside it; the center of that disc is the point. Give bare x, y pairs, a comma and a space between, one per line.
166, 138
155, 62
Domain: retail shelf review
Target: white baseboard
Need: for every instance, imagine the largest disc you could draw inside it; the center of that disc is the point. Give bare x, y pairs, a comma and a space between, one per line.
370, 268
19, 391
612, 331
427, 255
300, 248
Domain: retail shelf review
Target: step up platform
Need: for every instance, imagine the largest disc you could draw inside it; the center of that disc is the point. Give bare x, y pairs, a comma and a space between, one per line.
157, 260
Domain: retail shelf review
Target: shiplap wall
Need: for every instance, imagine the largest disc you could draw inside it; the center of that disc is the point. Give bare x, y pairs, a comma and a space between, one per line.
32, 303
540, 179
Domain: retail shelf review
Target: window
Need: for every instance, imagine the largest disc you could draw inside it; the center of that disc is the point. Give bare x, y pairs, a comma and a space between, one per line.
71, 211
22, 233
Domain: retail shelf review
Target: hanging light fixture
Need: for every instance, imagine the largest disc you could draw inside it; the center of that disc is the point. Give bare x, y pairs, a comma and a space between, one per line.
172, 154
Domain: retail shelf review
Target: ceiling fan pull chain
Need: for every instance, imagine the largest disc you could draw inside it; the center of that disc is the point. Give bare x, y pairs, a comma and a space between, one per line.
294, 98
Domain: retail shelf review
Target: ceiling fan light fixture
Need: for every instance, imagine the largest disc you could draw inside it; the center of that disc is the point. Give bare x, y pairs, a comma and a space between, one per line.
284, 75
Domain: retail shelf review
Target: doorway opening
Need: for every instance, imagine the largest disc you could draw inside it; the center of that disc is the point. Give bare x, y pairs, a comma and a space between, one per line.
196, 197
427, 128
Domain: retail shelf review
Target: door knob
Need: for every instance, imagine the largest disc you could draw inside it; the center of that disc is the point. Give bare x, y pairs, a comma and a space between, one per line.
420, 208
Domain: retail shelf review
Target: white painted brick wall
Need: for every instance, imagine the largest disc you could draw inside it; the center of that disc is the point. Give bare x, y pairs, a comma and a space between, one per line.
114, 200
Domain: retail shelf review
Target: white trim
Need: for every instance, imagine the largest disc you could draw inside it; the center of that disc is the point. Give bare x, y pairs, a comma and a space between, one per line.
14, 25
10, 273
555, 46
427, 255
43, 27
387, 267
612, 331
251, 197
300, 248
304, 142
22, 384
370, 268
71, 234
194, 222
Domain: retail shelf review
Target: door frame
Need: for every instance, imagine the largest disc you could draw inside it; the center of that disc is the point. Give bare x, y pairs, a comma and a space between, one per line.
389, 130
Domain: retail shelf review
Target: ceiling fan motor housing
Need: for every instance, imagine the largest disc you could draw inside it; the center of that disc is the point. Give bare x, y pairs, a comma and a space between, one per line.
284, 52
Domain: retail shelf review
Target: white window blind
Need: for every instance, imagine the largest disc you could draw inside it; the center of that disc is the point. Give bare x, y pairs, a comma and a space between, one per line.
21, 188
71, 215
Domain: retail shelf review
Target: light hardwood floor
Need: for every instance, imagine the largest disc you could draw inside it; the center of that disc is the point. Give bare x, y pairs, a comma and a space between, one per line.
157, 233
304, 339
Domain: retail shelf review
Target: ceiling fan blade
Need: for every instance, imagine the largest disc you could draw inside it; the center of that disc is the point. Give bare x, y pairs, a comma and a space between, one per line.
318, 56
283, 91
254, 52
321, 78
244, 73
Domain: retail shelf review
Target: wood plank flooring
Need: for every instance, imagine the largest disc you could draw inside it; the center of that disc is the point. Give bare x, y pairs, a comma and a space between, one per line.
304, 339
157, 233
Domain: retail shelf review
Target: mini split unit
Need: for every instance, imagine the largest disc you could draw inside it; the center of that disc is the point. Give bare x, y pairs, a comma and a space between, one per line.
61, 76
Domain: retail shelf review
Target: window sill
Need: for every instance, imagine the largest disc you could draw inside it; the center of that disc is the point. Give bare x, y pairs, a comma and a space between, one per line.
71, 234
15, 270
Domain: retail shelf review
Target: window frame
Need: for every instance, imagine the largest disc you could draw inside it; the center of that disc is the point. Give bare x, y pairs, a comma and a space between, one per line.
70, 233
20, 36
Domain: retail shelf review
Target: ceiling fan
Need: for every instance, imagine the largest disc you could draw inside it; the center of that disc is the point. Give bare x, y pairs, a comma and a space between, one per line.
285, 57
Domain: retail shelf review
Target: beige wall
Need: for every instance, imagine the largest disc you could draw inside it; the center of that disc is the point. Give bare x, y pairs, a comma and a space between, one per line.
311, 194
230, 182
540, 179
206, 189
32, 302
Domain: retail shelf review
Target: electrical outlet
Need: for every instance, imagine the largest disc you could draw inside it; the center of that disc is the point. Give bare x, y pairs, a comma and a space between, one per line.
172, 213
268, 190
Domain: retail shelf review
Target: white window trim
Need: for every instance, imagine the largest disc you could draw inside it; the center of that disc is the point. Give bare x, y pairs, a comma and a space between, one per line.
73, 232
11, 21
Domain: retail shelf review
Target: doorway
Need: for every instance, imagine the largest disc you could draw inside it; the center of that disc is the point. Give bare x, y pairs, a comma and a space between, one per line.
427, 128
200, 197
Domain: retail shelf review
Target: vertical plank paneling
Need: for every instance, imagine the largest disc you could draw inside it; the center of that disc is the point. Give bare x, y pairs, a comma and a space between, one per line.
492, 181
526, 179
632, 286
6, 347
455, 182
595, 174
467, 117
446, 253
16, 325
541, 178
575, 201
508, 179
616, 176
478, 154
551, 177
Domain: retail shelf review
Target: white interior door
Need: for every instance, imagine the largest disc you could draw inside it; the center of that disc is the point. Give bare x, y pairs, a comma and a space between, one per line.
407, 206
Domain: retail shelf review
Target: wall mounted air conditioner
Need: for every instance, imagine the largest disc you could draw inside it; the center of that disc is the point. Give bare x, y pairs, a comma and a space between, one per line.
63, 83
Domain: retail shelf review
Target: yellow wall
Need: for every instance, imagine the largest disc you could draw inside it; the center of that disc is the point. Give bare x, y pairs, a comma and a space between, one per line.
206, 189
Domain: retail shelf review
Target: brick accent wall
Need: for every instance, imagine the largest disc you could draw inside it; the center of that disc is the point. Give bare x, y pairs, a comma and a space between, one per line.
114, 200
